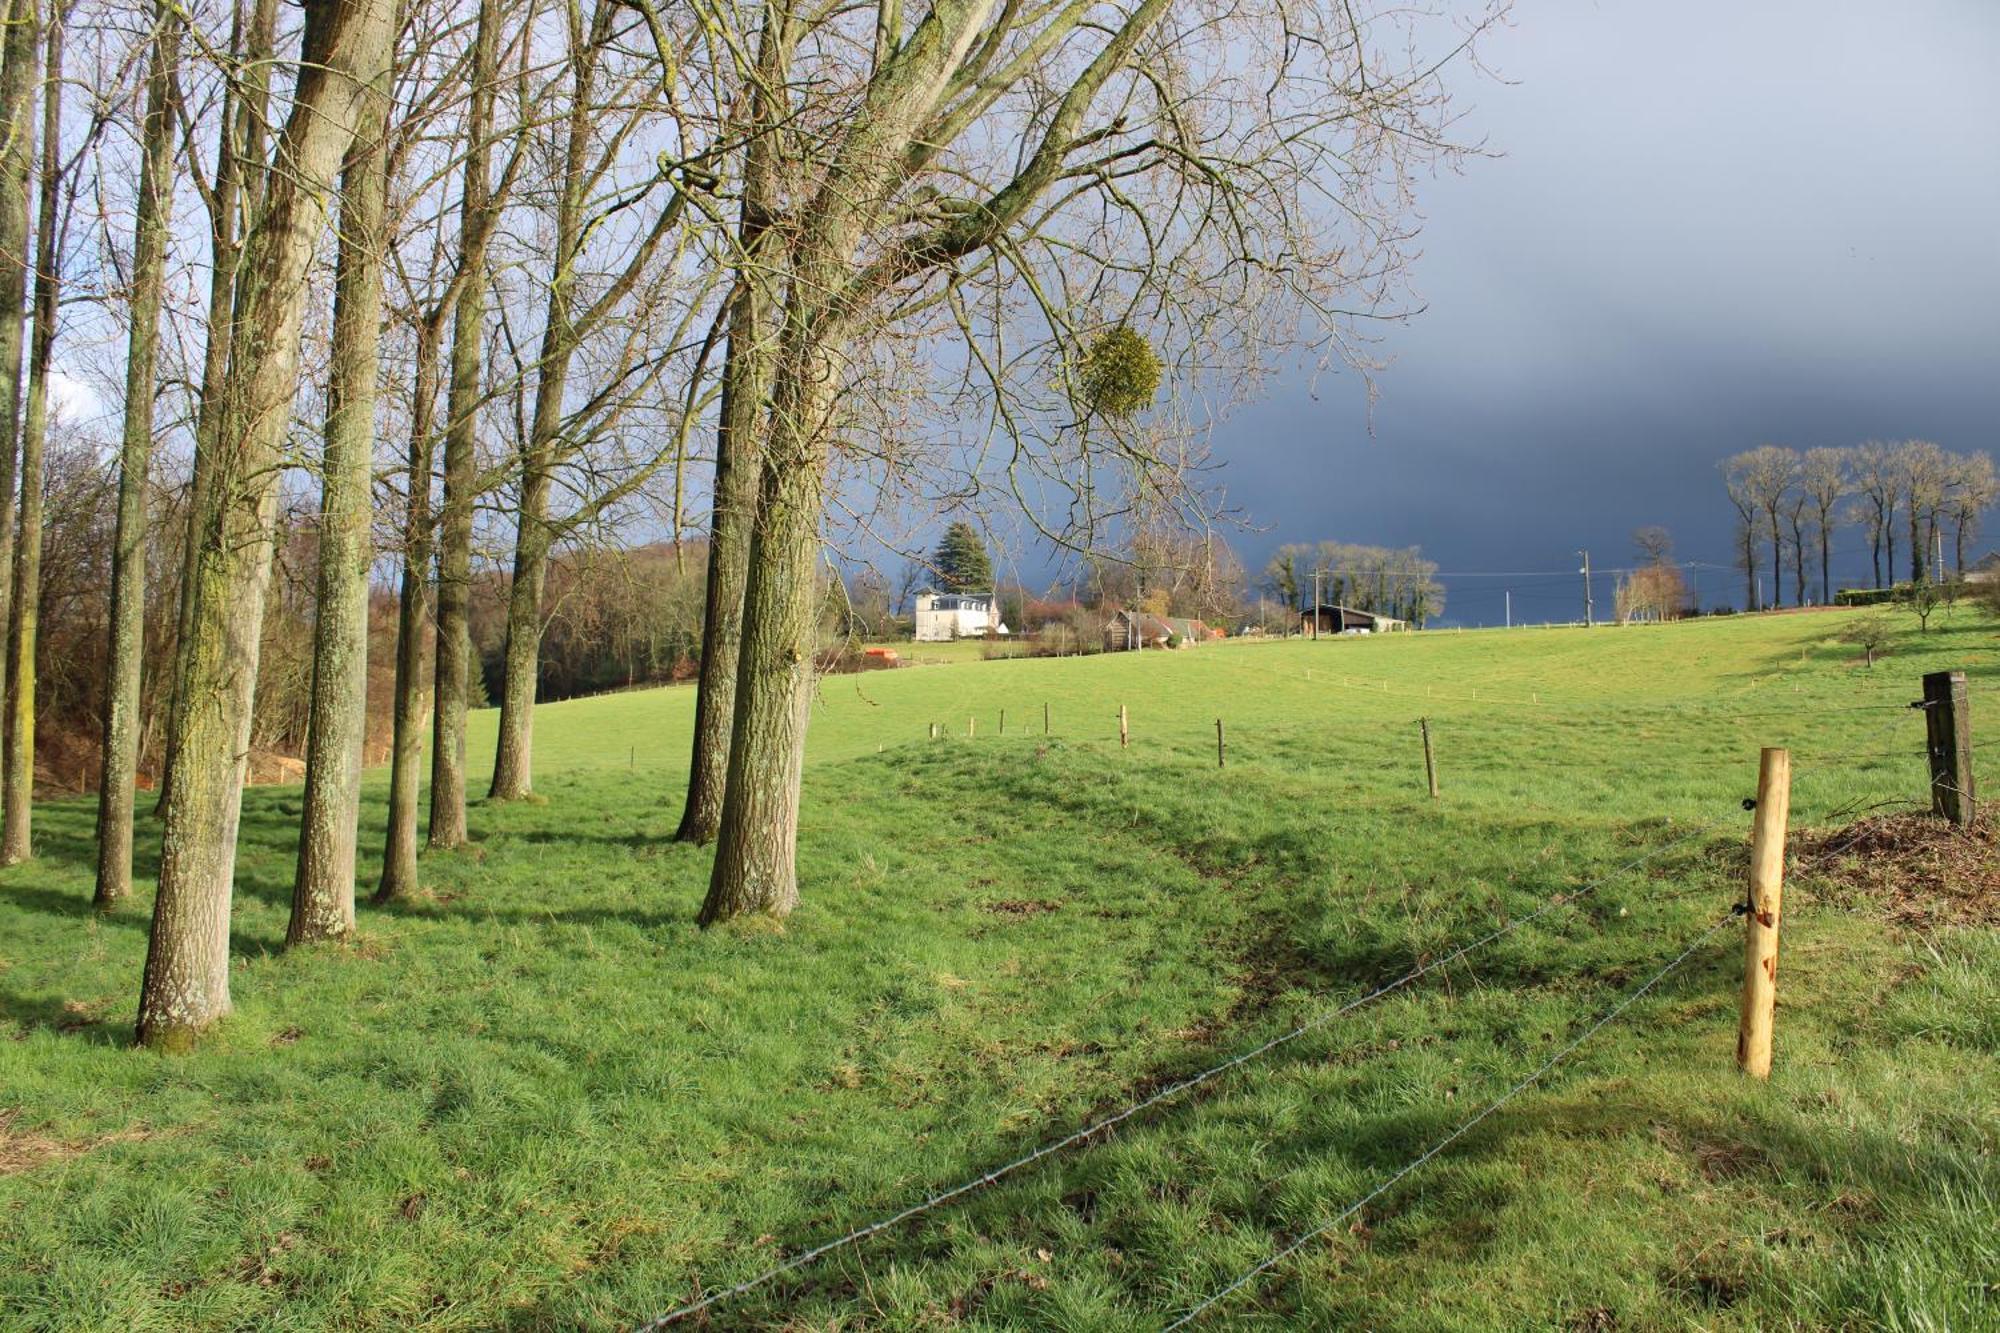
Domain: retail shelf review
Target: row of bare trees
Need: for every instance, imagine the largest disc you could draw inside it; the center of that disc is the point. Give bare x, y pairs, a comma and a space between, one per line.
485, 281
1791, 503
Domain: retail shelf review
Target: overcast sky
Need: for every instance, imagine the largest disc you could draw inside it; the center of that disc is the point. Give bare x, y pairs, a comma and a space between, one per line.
1713, 225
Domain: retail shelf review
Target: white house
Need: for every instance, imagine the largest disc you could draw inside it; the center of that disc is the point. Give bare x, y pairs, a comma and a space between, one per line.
943, 616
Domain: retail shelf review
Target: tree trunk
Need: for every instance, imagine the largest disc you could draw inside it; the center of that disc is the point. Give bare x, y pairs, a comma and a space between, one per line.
1916, 542
337, 726
239, 172
738, 452
755, 867
461, 461
186, 986
119, 773
513, 756
1777, 560
16, 827
1799, 567
20, 73
412, 699
1825, 559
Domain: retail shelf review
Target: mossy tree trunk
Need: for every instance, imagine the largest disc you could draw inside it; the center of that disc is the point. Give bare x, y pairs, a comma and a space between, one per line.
477, 208
337, 727
738, 438
20, 72
240, 169
412, 700
122, 671
186, 986
16, 819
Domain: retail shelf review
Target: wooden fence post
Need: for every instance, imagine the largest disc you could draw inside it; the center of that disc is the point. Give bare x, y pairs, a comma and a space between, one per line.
1045, 717
1758, 1012
1218, 742
1430, 761
1003, 722
1124, 732
1948, 731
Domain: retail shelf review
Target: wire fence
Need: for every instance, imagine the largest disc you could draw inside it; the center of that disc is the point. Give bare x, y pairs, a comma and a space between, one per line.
1171, 1090
1465, 1127
1872, 746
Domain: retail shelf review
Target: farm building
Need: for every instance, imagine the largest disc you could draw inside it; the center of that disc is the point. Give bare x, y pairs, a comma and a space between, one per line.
944, 616
1346, 620
1127, 630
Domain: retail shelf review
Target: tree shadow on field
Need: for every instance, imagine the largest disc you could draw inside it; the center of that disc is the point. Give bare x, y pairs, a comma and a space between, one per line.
76, 906
1448, 1216
68, 1018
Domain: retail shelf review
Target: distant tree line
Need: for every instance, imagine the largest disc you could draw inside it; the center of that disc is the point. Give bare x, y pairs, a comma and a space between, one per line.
1912, 496
1381, 580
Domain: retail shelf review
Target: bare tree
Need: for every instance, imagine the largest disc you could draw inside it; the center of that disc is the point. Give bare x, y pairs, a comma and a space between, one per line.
1875, 483
231, 195
345, 45
1974, 488
1056, 154
478, 211
629, 307
746, 373
1823, 481
323, 888
1745, 479
122, 698
1921, 472
16, 832
1768, 472
20, 76
1653, 544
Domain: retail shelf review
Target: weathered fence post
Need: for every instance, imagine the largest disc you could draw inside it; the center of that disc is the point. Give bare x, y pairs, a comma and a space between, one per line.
1003, 722
1430, 761
1045, 717
1948, 729
1767, 884
1124, 732
1218, 743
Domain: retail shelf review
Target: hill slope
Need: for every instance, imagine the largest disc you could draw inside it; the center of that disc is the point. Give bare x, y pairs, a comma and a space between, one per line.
543, 1099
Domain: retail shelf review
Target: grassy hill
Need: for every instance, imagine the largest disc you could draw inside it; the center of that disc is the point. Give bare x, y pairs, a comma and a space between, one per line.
542, 1099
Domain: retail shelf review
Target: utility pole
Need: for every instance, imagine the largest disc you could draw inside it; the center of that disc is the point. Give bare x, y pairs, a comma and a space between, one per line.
1589, 618
1316, 603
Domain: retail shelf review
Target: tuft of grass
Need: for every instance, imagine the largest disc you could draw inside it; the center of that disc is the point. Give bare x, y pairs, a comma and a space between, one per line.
540, 1098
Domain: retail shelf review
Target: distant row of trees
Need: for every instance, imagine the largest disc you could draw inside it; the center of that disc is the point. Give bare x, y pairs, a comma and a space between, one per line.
1382, 580
1790, 503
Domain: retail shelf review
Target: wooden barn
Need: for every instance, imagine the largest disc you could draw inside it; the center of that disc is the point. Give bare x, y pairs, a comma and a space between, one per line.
1346, 620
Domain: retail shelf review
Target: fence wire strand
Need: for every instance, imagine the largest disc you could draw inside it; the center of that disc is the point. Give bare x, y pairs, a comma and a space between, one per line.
1463, 1129
1167, 1092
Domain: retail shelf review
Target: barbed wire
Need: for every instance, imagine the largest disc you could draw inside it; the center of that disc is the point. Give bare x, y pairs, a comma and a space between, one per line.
1431, 1153
1164, 1093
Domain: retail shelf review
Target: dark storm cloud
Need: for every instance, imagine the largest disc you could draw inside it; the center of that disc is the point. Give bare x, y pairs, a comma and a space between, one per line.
1714, 225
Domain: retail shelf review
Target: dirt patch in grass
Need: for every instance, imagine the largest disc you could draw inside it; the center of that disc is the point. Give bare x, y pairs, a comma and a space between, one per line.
1018, 907
21, 1150
1916, 868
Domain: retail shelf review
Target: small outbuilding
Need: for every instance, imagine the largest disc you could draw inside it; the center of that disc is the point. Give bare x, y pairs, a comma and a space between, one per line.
1346, 620
1128, 631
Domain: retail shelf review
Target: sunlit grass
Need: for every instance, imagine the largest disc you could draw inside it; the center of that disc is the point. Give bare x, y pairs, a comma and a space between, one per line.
543, 1099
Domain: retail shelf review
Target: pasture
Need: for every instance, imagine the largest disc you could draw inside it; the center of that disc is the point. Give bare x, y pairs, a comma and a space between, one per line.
542, 1099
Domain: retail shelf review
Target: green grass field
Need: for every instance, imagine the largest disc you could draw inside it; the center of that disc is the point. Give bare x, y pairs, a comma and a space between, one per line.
543, 1100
